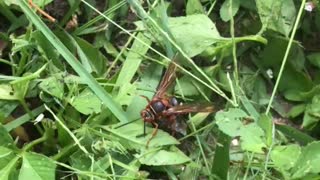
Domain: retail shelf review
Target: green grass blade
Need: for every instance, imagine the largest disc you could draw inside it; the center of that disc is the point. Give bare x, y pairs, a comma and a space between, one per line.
74, 63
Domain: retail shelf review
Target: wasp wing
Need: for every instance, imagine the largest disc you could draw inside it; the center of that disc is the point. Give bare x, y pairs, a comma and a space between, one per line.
167, 79
189, 108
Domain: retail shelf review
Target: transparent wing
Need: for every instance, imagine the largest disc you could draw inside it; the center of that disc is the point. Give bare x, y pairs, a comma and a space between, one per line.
167, 79
190, 108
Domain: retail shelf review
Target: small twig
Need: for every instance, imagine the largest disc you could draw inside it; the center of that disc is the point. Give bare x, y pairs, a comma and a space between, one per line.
50, 18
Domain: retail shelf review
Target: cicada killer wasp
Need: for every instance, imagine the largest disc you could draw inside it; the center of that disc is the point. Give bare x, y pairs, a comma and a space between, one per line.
162, 110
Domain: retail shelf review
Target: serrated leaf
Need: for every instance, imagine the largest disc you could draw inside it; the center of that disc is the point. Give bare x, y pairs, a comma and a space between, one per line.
37, 167
86, 102
173, 156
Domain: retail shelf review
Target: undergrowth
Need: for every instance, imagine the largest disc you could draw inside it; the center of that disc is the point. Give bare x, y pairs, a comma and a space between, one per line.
73, 84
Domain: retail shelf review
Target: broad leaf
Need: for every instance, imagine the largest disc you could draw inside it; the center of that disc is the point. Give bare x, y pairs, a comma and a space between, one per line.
153, 157
308, 161
285, 157
131, 136
86, 102
278, 15
53, 86
37, 167
228, 10
233, 124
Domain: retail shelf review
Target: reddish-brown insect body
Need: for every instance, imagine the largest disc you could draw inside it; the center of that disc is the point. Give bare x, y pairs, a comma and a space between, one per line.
164, 110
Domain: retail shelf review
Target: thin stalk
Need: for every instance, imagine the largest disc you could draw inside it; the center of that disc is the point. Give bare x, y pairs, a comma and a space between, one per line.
234, 54
35, 142
294, 30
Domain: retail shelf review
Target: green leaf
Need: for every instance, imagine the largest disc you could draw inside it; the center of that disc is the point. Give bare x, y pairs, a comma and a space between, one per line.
37, 167
225, 10
6, 108
9, 168
266, 123
153, 157
92, 55
131, 136
53, 86
86, 102
314, 59
187, 87
5, 140
221, 161
23, 119
5, 156
285, 157
194, 7
133, 60
295, 134
308, 161
312, 113
251, 135
194, 33
277, 15
7, 93
252, 138
296, 110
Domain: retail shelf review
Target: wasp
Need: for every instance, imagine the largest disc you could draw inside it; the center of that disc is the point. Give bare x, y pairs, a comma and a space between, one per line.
162, 111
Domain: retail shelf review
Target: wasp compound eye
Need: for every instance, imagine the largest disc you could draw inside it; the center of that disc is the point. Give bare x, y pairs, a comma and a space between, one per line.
158, 106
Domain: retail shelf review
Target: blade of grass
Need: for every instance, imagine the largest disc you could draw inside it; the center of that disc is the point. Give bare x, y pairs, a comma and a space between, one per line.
74, 63
23, 119
221, 157
72, 9
79, 30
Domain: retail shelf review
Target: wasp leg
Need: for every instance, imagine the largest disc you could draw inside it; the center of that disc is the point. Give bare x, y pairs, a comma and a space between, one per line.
154, 133
144, 128
50, 18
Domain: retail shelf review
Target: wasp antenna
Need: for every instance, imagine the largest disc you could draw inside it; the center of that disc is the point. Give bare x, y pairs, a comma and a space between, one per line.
146, 98
121, 125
